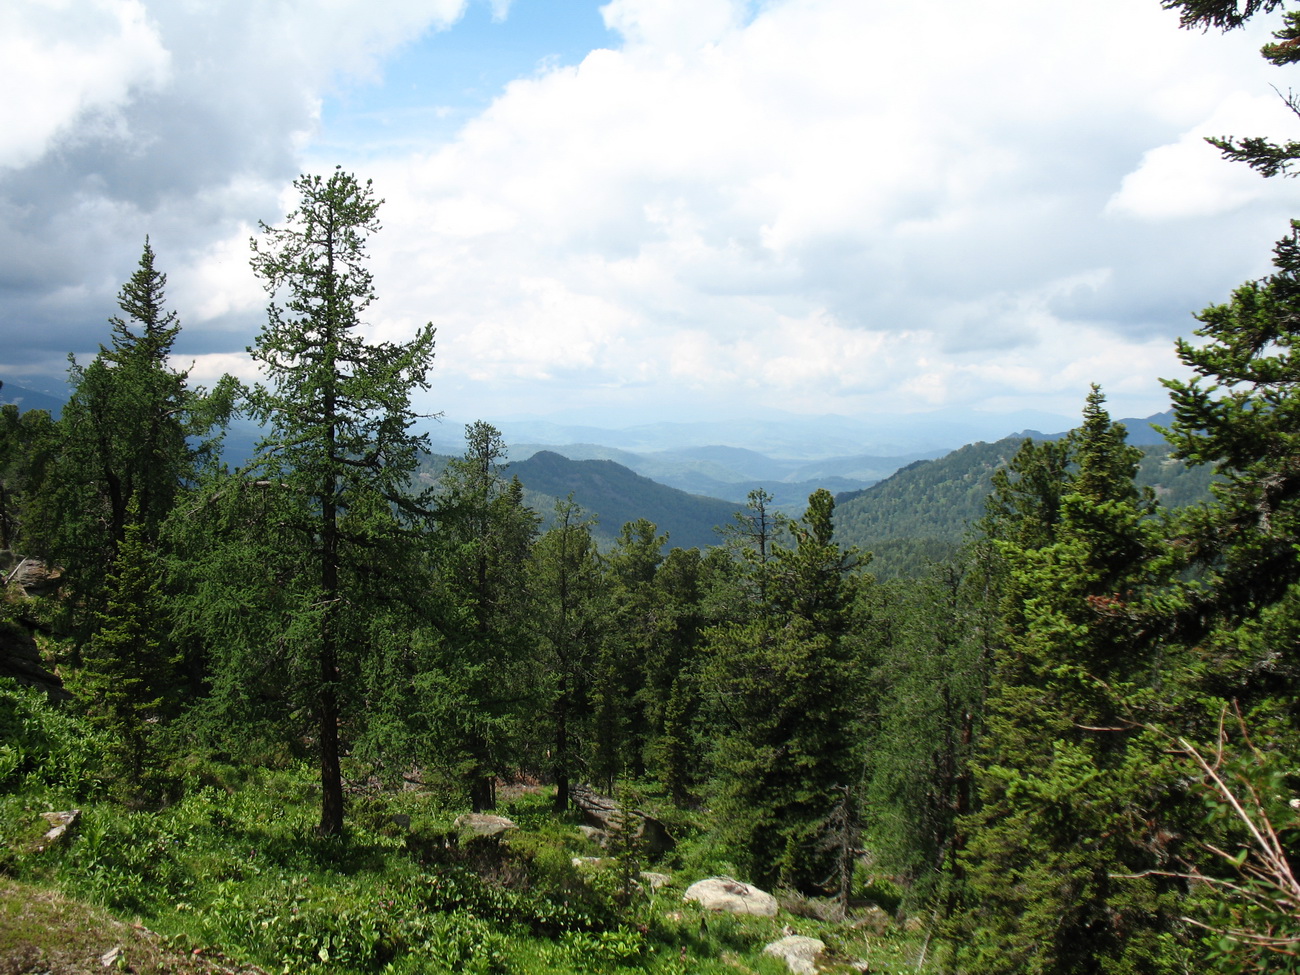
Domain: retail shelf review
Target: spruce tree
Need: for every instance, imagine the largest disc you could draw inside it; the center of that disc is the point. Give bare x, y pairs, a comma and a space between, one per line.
670, 691
567, 588
754, 535
1241, 414
1068, 778
471, 685
129, 676
932, 638
782, 694
627, 705
26, 445
132, 433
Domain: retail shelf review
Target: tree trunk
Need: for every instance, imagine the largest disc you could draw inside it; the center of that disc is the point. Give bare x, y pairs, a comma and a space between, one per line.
482, 793
331, 777
561, 759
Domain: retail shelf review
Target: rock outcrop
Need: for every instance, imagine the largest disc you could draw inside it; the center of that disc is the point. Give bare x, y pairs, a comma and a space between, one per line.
604, 814
731, 895
60, 823
655, 881
800, 954
479, 826
20, 657
33, 576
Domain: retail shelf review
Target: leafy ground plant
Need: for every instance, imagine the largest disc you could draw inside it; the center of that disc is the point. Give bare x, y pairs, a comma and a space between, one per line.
236, 870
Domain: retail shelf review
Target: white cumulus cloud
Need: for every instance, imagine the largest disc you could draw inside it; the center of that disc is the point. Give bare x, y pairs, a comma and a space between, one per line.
819, 204
825, 202
1188, 178
65, 62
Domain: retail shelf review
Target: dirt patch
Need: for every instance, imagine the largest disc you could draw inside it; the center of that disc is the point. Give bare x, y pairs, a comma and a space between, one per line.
43, 931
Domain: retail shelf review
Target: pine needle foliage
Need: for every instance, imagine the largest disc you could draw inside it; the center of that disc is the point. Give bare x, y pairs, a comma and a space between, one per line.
129, 676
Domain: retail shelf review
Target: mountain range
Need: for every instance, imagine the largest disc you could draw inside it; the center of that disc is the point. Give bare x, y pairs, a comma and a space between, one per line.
689, 478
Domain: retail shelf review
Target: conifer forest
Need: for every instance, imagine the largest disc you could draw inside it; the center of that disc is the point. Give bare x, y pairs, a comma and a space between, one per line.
344, 706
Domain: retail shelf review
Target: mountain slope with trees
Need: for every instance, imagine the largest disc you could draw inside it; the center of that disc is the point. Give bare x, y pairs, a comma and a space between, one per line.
300, 689
616, 495
924, 510
730, 473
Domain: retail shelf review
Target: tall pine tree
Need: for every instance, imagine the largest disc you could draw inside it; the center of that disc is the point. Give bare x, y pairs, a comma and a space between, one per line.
471, 686
129, 675
782, 695
567, 589
1067, 778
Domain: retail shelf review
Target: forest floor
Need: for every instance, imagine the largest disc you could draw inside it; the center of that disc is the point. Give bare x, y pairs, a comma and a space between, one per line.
232, 880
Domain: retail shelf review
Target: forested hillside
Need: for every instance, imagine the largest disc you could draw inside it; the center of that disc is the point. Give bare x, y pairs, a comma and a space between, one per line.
340, 709
609, 494
617, 495
731, 473
924, 511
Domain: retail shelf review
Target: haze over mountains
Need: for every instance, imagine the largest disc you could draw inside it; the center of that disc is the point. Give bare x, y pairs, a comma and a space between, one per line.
907, 480
777, 433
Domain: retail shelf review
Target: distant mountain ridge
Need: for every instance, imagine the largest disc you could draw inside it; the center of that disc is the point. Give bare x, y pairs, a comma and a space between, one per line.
791, 435
31, 399
616, 495
731, 473
924, 510
1142, 432
900, 505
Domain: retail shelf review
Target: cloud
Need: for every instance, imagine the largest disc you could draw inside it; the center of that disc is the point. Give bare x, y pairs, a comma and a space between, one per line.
826, 204
71, 65
673, 25
1187, 179
181, 121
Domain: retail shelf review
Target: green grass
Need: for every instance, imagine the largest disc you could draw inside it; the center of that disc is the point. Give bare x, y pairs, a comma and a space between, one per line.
243, 871
235, 867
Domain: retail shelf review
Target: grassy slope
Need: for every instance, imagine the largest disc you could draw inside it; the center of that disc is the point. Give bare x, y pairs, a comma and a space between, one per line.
43, 930
238, 868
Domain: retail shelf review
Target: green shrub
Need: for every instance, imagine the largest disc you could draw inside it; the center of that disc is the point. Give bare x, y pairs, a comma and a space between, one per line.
881, 891
127, 861
47, 747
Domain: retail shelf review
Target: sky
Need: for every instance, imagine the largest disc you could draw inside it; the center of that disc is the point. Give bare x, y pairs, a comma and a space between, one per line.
643, 210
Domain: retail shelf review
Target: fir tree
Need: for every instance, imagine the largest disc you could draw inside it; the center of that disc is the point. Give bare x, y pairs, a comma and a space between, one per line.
129, 676
933, 640
26, 447
472, 683
1068, 779
132, 433
1241, 415
782, 693
670, 692
566, 586
627, 705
